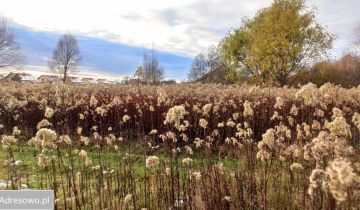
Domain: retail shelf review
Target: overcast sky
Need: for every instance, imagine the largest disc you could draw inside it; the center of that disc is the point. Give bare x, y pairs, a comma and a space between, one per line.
179, 29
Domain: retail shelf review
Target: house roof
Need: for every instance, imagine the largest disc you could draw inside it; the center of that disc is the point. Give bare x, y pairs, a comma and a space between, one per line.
50, 77
25, 77
90, 80
28, 77
134, 79
74, 79
105, 81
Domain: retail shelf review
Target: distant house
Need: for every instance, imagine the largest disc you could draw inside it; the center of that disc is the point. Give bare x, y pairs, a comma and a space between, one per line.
218, 75
74, 80
117, 81
105, 81
101, 81
168, 82
133, 81
48, 78
125, 80
89, 81
20, 77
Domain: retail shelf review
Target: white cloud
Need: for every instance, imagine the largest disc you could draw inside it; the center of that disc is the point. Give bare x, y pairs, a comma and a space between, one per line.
182, 26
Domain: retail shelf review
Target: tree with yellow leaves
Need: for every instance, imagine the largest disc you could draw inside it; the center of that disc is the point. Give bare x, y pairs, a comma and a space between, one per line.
277, 42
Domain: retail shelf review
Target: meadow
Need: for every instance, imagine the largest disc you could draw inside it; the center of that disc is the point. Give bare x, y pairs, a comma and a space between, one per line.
185, 146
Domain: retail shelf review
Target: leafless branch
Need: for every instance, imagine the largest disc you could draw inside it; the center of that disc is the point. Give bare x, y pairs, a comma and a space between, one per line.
66, 56
153, 72
10, 54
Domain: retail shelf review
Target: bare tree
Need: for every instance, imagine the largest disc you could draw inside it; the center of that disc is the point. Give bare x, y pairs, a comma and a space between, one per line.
214, 58
139, 73
357, 40
153, 72
199, 67
204, 64
10, 55
66, 56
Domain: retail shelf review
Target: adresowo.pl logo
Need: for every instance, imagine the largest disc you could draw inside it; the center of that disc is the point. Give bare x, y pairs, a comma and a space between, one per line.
10, 200
26, 199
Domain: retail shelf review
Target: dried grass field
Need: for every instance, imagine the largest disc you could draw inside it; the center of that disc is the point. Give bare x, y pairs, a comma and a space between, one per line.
186, 146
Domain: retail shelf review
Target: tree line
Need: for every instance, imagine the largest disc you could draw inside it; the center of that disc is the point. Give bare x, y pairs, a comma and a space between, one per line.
282, 44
